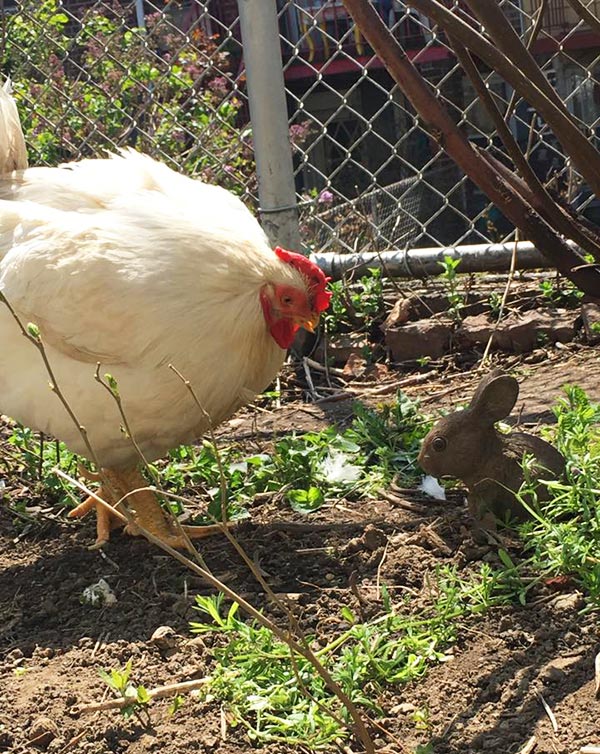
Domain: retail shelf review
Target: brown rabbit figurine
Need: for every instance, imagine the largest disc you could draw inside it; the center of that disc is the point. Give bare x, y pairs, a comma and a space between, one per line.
467, 446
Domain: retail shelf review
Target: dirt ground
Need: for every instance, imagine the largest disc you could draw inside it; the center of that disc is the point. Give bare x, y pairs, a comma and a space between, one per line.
490, 697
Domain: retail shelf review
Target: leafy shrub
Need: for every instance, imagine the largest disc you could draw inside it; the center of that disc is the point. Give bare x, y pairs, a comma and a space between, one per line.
90, 84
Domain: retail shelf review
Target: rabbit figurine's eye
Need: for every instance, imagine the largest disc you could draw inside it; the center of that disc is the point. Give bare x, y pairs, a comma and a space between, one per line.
439, 444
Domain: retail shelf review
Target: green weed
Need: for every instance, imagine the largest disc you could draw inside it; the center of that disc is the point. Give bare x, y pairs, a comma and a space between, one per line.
36, 458
306, 469
456, 298
563, 537
355, 305
390, 437
560, 292
279, 697
119, 681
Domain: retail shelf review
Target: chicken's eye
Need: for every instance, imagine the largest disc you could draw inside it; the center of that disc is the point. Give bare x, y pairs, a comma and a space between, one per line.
287, 300
439, 444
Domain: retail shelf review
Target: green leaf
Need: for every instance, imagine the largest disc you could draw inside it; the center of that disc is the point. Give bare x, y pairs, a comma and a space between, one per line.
33, 330
305, 501
143, 697
348, 615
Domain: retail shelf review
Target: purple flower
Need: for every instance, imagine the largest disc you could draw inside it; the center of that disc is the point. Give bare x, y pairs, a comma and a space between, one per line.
325, 197
299, 132
218, 85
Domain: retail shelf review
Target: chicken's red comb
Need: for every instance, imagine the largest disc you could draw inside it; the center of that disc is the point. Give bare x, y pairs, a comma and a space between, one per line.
312, 272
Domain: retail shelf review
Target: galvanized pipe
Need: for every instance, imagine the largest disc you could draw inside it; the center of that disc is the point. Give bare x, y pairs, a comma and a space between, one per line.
139, 13
270, 132
418, 263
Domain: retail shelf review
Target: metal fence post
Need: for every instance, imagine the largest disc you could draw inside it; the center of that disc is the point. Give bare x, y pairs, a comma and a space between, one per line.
139, 14
268, 111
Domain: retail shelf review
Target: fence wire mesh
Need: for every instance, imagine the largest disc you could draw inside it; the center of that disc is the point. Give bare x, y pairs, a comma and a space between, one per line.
168, 78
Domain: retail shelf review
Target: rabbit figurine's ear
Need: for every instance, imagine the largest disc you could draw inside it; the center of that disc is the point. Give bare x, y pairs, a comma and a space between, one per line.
495, 397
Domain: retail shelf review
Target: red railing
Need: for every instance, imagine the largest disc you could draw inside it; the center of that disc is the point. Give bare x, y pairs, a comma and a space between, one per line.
320, 27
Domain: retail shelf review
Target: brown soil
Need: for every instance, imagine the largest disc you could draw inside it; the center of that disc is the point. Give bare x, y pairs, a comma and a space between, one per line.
489, 698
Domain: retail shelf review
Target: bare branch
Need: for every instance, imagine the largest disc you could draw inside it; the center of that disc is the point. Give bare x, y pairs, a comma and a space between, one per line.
585, 157
537, 26
507, 40
538, 196
37, 342
585, 14
157, 693
456, 144
358, 725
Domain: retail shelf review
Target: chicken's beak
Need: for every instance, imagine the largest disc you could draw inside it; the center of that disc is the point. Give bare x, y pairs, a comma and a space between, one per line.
310, 323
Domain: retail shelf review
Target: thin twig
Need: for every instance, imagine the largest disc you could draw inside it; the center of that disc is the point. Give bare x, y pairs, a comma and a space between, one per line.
548, 711
538, 194
37, 342
509, 280
74, 741
537, 27
311, 387
156, 693
532, 86
529, 746
379, 567
223, 483
358, 726
125, 518
114, 393
590, 19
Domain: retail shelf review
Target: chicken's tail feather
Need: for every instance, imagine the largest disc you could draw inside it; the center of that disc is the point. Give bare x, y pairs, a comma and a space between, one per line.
13, 153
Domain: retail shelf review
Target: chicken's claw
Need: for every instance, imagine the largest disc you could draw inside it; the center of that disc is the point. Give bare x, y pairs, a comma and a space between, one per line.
145, 512
105, 520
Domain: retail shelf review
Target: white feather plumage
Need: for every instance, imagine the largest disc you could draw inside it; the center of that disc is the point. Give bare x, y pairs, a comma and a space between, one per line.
122, 261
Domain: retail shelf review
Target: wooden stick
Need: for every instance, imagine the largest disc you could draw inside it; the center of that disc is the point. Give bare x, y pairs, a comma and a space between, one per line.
157, 693
529, 746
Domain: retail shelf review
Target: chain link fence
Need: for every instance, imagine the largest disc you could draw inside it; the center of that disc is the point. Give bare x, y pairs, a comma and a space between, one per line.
168, 78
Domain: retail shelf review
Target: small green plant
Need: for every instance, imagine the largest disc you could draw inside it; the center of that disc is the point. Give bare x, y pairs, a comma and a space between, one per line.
176, 704
37, 458
356, 305
495, 304
456, 299
305, 469
542, 339
560, 292
279, 697
422, 719
563, 537
391, 437
264, 687
119, 681
425, 749
473, 595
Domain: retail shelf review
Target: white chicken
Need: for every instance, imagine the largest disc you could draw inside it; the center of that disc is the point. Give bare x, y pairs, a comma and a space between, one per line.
124, 263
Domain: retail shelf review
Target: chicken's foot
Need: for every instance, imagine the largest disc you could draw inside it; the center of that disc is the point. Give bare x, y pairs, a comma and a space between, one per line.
144, 508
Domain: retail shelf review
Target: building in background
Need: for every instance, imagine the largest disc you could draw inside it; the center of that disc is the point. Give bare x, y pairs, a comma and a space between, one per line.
354, 133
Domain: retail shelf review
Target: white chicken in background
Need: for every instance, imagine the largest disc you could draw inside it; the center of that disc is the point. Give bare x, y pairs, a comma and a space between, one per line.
124, 263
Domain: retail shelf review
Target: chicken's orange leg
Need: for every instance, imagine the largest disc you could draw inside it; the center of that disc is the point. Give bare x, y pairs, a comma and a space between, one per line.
144, 507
